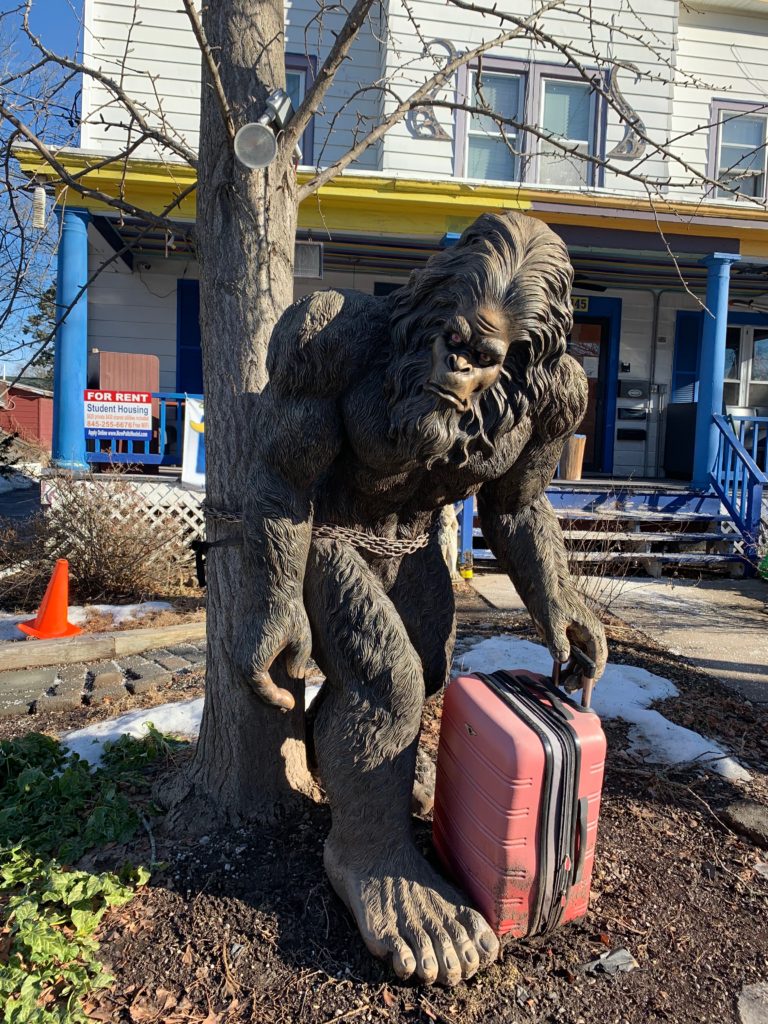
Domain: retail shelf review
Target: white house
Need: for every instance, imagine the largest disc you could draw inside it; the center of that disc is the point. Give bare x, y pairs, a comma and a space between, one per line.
694, 81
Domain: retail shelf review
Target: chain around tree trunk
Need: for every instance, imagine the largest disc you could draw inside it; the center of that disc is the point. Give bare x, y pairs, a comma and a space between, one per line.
361, 540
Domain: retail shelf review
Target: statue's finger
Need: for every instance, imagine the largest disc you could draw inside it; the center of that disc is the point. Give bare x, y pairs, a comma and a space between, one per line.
298, 654
270, 692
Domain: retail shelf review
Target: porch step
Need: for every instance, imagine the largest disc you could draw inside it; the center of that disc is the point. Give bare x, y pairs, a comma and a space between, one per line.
616, 529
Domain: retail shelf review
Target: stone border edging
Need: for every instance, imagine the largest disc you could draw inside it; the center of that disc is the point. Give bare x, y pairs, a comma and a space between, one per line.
20, 654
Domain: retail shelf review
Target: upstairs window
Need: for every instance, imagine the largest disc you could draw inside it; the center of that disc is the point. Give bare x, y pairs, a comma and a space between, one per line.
568, 114
556, 100
740, 138
490, 154
299, 72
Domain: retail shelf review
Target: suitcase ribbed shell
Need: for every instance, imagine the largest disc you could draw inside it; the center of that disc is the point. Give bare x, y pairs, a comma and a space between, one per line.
491, 806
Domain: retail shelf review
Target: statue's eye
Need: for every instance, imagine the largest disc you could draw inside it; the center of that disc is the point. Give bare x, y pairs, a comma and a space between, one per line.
484, 359
454, 338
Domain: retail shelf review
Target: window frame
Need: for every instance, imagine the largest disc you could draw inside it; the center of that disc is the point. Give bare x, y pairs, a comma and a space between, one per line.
533, 75
719, 109
299, 62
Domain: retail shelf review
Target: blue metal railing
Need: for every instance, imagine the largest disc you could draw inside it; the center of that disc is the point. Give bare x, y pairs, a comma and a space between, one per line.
165, 448
752, 432
737, 478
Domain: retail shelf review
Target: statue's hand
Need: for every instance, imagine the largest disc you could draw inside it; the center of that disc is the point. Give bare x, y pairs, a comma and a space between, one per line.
567, 620
282, 630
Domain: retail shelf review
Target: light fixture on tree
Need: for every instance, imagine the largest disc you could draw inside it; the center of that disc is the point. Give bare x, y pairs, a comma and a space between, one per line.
38, 208
256, 142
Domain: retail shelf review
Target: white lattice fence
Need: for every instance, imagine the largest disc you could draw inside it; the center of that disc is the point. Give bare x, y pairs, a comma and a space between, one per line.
158, 501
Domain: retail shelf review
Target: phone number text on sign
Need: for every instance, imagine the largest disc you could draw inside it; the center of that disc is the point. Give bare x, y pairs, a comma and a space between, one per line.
124, 415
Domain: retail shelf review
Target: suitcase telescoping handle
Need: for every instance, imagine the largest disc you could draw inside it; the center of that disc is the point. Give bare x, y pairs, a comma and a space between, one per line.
588, 670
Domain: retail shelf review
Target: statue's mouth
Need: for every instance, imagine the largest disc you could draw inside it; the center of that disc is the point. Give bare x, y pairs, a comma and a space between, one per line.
446, 395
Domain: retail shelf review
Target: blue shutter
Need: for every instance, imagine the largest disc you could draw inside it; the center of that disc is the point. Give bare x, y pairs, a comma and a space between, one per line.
685, 372
189, 357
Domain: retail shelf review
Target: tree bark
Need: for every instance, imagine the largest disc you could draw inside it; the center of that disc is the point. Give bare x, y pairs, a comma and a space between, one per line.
250, 761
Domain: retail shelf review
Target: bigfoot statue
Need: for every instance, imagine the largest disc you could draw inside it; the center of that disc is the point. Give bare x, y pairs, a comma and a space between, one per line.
379, 412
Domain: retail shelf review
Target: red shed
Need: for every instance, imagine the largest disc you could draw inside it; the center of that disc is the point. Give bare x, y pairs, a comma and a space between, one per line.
26, 409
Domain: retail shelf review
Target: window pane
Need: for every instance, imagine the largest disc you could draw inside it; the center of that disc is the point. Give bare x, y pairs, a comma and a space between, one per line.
294, 86
743, 131
556, 168
566, 109
742, 156
732, 347
500, 93
760, 358
491, 159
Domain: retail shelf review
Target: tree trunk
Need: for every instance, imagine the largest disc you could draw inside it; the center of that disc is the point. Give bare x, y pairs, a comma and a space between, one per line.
250, 762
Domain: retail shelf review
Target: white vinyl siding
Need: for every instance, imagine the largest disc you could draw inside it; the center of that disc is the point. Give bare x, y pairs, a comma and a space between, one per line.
723, 53
149, 45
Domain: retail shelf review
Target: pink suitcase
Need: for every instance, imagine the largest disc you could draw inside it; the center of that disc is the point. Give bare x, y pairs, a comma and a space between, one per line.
517, 798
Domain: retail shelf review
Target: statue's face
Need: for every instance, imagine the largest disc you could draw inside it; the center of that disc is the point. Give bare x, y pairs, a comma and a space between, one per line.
467, 356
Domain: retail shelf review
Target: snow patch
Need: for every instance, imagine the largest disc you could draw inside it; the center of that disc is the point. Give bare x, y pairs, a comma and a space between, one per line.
15, 482
626, 692
121, 613
179, 719
8, 625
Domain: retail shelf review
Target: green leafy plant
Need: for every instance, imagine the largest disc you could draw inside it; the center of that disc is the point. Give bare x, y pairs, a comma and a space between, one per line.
53, 809
51, 915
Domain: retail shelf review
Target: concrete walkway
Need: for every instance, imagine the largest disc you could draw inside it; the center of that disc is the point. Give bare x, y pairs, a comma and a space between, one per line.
720, 625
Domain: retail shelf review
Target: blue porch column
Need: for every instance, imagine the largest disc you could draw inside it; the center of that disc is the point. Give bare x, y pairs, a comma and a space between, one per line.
712, 367
69, 369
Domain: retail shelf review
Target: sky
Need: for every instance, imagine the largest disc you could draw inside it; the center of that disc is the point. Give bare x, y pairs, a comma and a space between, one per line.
57, 22
58, 25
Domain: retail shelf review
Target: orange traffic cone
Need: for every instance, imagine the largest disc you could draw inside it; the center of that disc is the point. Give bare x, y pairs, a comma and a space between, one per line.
51, 621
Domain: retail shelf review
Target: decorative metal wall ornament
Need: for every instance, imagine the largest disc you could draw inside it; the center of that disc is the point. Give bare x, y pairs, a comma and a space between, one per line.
422, 121
632, 145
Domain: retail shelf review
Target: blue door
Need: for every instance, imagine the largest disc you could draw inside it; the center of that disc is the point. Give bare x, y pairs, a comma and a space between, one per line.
189, 358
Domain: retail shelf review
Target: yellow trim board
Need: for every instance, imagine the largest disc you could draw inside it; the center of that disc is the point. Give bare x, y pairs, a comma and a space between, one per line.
381, 205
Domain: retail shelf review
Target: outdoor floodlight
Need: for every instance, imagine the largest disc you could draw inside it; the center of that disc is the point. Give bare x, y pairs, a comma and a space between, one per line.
255, 143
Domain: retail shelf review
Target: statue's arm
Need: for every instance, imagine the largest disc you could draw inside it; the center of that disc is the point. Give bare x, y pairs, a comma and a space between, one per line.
522, 530
295, 440
296, 432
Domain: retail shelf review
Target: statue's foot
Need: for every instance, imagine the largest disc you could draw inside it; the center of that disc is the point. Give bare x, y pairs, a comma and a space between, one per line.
405, 911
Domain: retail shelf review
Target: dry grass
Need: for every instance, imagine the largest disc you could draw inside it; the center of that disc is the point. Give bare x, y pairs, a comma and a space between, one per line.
115, 552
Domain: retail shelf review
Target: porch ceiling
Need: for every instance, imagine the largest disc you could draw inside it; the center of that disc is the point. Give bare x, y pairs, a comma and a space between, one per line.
598, 267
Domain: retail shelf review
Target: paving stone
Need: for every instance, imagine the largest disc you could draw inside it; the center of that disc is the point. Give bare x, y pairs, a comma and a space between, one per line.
753, 1004
751, 819
145, 684
139, 667
27, 680
16, 704
171, 662
70, 681
107, 681
60, 702
193, 654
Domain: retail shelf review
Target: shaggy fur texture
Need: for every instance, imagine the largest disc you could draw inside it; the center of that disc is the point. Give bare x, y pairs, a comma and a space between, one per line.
357, 429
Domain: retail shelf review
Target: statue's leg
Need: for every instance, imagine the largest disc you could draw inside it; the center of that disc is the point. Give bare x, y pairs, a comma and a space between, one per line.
366, 732
423, 596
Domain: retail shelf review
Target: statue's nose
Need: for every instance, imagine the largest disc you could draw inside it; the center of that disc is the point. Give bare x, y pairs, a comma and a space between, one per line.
457, 363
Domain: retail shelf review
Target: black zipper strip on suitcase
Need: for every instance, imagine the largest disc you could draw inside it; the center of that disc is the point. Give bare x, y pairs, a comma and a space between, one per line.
500, 687
565, 707
564, 840
565, 834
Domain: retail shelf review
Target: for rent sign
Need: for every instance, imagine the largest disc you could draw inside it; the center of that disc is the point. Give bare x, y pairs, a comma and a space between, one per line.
124, 415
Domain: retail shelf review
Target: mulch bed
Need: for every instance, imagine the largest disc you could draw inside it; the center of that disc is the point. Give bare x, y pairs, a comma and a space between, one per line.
243, 926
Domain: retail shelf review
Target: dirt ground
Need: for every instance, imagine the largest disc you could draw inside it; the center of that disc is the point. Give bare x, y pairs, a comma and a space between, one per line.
243, 926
